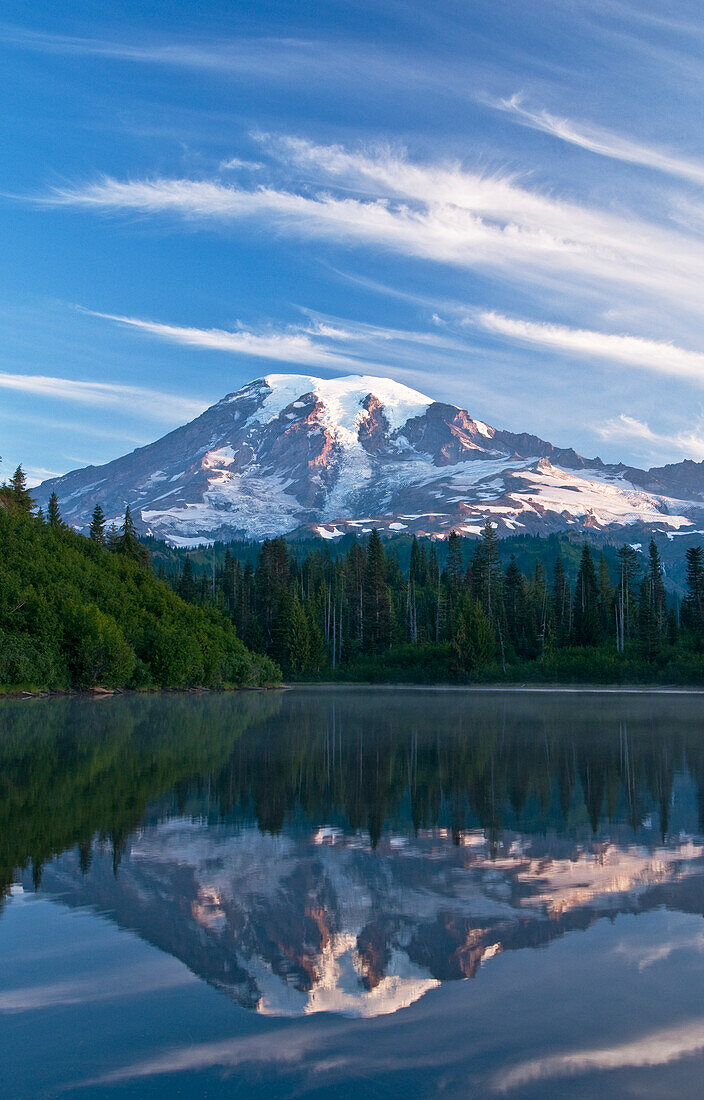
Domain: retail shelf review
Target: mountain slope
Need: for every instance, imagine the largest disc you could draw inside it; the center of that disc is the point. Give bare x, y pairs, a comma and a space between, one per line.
350, 453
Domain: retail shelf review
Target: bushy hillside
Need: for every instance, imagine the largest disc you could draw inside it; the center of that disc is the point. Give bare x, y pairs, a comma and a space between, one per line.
74, 614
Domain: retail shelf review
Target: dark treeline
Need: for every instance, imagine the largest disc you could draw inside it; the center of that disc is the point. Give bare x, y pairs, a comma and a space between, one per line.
361, 616
79, 612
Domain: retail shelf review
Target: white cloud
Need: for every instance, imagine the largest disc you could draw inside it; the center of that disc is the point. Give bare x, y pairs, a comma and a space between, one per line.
655, 1049
603, 142
653, 355
438, 212
150, 404
235, 162
628, 429
312, 344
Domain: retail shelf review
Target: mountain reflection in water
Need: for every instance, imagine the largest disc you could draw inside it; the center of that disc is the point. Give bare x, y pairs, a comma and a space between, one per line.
346, 851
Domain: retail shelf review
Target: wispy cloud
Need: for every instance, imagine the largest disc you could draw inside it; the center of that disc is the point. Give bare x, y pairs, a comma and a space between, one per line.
603, 142
653, 355
658, 1048
248, 55
332, 343
439, 212
234, 163
139, 401
628, 429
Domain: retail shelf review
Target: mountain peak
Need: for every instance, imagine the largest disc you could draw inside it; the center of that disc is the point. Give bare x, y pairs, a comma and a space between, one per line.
344, 454
342, 396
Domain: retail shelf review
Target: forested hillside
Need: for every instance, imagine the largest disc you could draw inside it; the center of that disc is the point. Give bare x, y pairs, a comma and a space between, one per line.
79, 612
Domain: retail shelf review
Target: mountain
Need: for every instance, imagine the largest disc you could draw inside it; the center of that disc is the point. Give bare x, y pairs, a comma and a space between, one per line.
346, 454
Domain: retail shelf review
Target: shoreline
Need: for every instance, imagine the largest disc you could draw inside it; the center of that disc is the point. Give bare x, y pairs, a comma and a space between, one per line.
527, 688
572, 689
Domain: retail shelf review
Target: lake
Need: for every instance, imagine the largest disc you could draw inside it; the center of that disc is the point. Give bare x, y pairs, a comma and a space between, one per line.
352, 893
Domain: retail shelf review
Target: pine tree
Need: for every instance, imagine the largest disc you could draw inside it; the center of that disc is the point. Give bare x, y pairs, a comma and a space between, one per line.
586, 619
19, 493
606, 596
561, 604
128, 543
652, 609
455, 570
516, 607
112, 538
377, 604
693, 603
626, 595
53, 514
97, 526
186, 584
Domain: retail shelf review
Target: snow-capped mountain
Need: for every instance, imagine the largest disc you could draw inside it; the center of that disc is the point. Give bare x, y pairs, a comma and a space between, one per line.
347, 454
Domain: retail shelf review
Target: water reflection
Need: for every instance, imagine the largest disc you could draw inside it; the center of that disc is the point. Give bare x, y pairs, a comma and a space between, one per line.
344, 851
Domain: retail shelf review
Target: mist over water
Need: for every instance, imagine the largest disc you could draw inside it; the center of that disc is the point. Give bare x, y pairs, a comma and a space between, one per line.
341, 892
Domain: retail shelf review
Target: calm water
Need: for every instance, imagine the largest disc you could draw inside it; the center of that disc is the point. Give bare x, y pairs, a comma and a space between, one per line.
352, 893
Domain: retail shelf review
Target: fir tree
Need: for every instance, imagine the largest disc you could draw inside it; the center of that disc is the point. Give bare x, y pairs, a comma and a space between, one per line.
112, 538
19, 493
377, 605
606, 597
515, 603
652, 609
186, 584
455, 570
97, 526
693, 603
561, 603
626, 595
53, 514
586, 618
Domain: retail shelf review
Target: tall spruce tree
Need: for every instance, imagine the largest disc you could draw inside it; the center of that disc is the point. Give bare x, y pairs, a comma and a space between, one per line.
128, 542
377, 603
693, 603
516, 605
20, 495
652, 607
53, 514
626, 595
586, 617
561, 604
187, 584
97, 526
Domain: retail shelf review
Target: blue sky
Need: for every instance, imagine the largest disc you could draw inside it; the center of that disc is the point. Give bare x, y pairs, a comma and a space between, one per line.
499, 203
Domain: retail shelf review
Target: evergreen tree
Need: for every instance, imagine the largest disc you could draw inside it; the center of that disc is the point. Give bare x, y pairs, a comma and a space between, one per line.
586, 618
516, 605
377, 604
473, 640
53, 514
128, 542
455, 570
296, 638
606, 597
652, 608
626, 595
561, 604
19, 493
112, 538
187, 584
693, 603
97, 526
